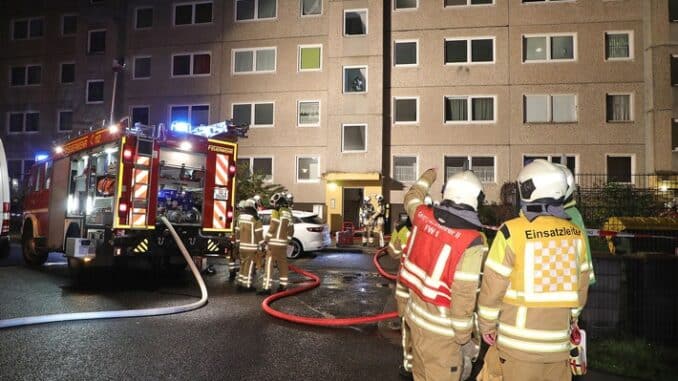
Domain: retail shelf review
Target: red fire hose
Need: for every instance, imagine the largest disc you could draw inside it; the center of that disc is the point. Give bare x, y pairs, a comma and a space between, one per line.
324, 322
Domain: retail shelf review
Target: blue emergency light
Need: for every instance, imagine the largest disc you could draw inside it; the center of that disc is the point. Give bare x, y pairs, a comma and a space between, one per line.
41, 157
180, 126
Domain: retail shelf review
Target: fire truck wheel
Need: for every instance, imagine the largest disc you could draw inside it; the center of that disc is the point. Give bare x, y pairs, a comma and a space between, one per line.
297, 249
33, 255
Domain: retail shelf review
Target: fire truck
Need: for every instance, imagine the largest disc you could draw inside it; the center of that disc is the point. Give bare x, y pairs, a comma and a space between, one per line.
99, 197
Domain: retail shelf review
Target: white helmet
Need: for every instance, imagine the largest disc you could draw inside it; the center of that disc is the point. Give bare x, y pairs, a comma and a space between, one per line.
569, 178
366, 199
241, 204
542, 181
463, 188
290, 198
276, 199
380, 198
249, 203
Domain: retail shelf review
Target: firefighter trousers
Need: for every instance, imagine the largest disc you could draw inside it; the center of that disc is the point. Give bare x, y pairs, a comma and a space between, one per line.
246, 274
517, 370
401, 302
434, 357
232, 258
277, 254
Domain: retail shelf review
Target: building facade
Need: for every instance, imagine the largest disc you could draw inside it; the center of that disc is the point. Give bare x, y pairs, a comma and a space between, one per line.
355, 98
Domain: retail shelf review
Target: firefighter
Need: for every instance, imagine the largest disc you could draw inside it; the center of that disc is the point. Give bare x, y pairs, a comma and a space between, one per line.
380, 216
367, 221
290, 200
576, 217
441, 271
279, 235
234, 254
396, 249
250, 238
259, 256
535, 281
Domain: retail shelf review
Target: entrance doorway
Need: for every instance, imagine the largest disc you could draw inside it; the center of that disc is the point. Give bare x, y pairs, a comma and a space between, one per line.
352, 198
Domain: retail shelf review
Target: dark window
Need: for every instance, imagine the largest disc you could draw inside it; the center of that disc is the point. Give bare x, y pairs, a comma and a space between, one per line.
181, 65
263, 114
482, 50
405, 4
242, 114
34, 75
140, 115
263, 166
200, 115
313, 7
20, 30
65, 120
32, 122
673, 10
142, 67
674, 135
449, 3
16, 122
619, 169
95, 91
183, 14
355, 23
97, 41
144, 18
406, 53
201, 64
69, 24
406, 110
674, 70
203, 13
244, 10
67, 73
618, 107
179, 114
18, 76
196, 13
456, 51
36, 28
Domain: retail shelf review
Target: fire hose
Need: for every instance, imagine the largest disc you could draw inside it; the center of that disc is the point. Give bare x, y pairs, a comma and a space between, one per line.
32, 320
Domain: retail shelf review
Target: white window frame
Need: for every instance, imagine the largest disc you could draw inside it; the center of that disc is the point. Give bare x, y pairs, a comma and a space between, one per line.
631, 56
23, 127
367, 23
396, 98
190, 111
469, 109
296, 168
633, 165
254, 60
61, 25
393, 7
468, 4
87, 92
89, 40
253, 113
343, 79
193, 4
190, 66
136, 15
395, 42
256, 17
343, 126
299, 102
550, 156
301, 9
548, 36
549, 108
28, 31
299, 47
469, 56
61, 79
132, 107
416, 167
470, 161
25, 66
251, 165
58, 129
134, 66
632, 107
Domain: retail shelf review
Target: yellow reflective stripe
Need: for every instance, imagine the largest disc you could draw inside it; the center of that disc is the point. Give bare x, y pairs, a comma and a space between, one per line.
426, 325
498, 267
521, 316
533, 347
462, 324
423, 183
585, 266
488, 313
534, 334
402, 294
442, 320
470, 277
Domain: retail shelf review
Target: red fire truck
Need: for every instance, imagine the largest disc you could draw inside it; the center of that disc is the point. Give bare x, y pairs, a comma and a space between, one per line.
101, 195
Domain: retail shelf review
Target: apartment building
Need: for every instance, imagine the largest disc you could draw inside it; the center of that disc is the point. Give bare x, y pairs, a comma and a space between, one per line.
358, 97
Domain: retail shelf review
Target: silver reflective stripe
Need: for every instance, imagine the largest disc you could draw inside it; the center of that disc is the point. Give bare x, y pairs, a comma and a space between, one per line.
433, 328
498, 267
534, 334
533, 347
469, 277
488, 313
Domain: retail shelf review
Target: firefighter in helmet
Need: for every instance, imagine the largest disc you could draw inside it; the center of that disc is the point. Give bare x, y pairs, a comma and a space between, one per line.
249, 232
367, 220
441, 271
279, 235
535, 281
380, 217
290, 199
233, 254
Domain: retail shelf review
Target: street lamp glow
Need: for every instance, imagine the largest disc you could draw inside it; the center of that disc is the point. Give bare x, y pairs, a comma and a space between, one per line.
59, 149
185, 146
113, 129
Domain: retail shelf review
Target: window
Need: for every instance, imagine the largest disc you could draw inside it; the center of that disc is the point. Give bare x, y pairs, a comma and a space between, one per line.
190, 64
406, 110
254, 114
308, 169
549, 48
457, 109
311, 7
355, 22
259, 60
619, 108
674, 135
570, 160
143, 18
95, 91
405, 53
67, 72
405, 169
69, 25
28, 121
255, 9
28, 28
14, 169
141, 114
310, 57
309, 114
192, 13
477, 50
195, 115
674, 70
405, 4
258, 165
545, 108
452, 3
482, 166
96, 43
673, 10
65, 120
25, 75
354, 138
618, 45
142, 67
619, 168
355, 79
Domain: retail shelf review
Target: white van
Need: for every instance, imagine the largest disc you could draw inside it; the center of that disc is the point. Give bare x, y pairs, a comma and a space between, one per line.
4, 202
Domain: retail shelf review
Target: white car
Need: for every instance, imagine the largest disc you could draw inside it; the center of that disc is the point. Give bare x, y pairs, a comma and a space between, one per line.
310, 233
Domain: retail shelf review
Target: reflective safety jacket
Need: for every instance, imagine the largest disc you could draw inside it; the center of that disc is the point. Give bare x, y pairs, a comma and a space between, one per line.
281, 228
535, 282
397, 242
577, 219
249, 232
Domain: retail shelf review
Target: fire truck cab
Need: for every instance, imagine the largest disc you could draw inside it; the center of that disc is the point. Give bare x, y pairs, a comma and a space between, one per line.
101, 196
